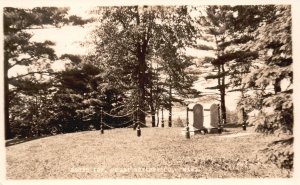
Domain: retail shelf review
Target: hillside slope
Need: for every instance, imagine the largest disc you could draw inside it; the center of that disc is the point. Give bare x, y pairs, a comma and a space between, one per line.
158, 153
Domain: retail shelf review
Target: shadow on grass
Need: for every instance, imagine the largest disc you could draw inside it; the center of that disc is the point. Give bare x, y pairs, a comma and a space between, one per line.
22, 140
224, 130
233, 125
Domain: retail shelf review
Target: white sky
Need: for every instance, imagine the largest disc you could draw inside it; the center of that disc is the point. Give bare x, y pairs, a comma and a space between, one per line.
68, 38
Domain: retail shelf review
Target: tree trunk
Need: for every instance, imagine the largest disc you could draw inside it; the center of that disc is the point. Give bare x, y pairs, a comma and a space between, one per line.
223, 93
170, 104
153, 118
157, 115
223, 107
221, 84
152, 109
141, 85
141, 56
277, 87
8, 134
170, 116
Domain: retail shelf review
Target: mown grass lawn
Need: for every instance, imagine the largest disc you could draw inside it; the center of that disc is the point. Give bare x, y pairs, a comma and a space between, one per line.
158, 153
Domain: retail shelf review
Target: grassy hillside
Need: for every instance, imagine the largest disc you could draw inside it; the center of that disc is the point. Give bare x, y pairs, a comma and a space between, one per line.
159, 153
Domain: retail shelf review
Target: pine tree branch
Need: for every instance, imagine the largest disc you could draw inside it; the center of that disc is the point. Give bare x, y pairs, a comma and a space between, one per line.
218, 87
238, 56
220, 75
18, 62
203, 47
31, 73
241, 40
235, 90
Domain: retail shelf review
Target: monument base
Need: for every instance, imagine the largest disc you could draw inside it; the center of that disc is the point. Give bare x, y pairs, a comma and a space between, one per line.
203, 130
212, 130
194, 130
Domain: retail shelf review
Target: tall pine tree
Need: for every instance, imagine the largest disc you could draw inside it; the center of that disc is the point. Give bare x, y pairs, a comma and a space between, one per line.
20, 50
130, 38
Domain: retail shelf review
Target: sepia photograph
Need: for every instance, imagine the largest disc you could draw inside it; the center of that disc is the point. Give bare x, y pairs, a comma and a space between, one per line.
182, 91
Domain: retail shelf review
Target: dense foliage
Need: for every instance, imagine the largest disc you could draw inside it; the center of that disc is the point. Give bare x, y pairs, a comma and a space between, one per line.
274, 44
141, 49
32, 105
253, 49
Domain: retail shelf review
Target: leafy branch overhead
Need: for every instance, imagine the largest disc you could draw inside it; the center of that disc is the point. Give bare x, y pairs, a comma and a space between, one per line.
238, 56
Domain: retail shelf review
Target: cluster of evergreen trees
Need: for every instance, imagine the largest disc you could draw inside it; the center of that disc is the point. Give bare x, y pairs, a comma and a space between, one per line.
138, 59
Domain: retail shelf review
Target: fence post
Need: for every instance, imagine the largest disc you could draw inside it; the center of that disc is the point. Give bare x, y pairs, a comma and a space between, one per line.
187, 132
219, 119
244, 119
138, 131
101, 120
170, 117
162, 117
134, 117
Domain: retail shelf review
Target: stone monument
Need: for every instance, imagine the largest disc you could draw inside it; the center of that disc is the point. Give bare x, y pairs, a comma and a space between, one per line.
198, 116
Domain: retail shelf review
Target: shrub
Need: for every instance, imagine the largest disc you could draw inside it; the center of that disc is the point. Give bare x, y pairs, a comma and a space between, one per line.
179, 122
280, 153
